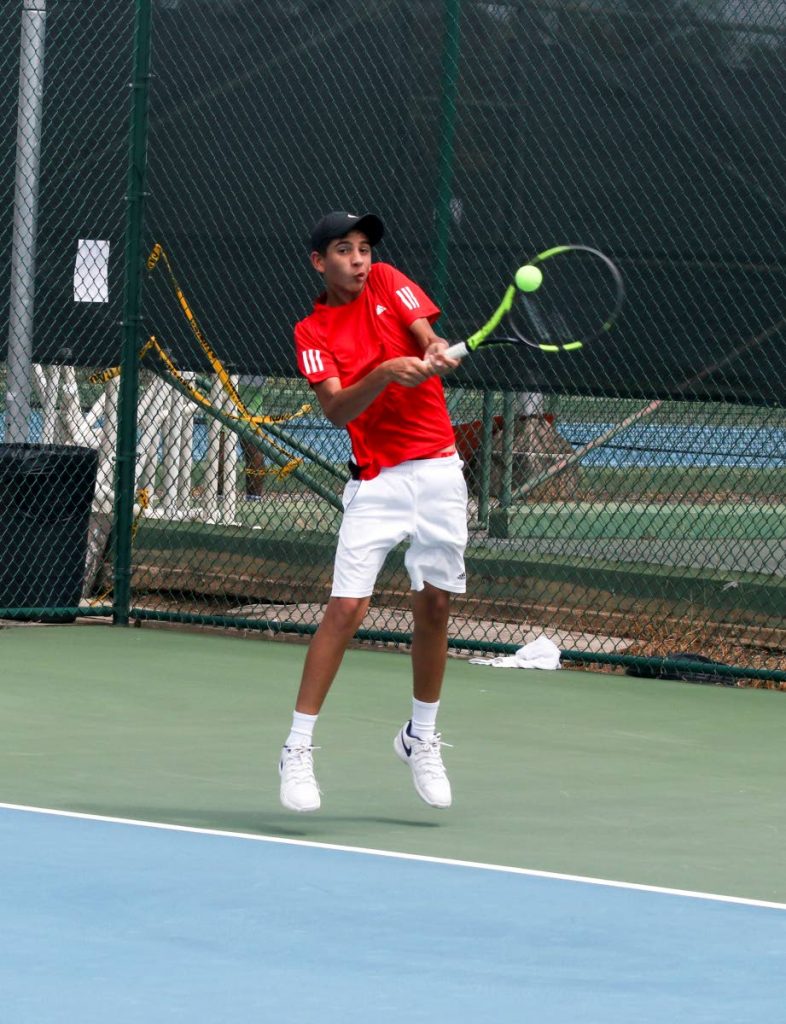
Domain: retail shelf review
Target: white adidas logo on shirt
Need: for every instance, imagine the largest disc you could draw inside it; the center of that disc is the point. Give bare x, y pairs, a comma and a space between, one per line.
381, 309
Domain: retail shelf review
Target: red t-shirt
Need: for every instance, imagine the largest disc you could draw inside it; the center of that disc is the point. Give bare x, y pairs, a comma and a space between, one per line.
349, 341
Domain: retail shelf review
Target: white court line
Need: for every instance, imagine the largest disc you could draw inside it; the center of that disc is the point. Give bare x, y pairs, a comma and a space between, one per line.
529, 872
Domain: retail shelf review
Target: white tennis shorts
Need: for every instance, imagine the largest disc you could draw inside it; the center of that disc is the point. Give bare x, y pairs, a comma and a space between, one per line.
424, 502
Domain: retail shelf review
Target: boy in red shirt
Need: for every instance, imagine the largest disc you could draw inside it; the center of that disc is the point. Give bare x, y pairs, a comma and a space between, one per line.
370, 353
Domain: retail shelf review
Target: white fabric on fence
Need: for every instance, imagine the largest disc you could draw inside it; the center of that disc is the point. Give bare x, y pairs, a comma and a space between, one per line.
541, 653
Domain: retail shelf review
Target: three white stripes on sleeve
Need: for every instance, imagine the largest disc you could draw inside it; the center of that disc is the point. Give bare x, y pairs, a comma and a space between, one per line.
408, 297
312, 361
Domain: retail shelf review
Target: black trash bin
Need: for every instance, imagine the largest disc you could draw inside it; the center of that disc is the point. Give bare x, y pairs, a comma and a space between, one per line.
46, 494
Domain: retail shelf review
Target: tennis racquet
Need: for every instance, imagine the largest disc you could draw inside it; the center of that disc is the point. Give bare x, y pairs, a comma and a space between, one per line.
578, 299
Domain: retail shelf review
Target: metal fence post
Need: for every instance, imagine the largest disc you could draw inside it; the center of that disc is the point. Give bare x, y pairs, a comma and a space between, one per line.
129, 377
450, 68
28, 154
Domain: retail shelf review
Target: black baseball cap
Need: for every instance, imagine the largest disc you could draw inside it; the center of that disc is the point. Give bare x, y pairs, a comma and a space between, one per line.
339, 223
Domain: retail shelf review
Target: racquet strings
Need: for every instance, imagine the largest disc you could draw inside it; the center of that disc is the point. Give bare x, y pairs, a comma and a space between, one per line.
578, 295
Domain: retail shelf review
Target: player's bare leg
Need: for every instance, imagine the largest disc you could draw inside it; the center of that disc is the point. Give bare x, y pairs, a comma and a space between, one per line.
431, 608
342, 618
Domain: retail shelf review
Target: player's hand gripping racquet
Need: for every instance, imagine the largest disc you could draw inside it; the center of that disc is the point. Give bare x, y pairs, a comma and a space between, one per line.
560, 301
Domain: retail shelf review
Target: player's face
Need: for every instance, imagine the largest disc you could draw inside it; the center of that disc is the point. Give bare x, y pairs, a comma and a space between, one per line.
345, 265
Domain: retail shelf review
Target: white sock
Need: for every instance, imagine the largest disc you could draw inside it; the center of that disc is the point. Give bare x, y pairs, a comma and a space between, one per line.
302, 731
424, 718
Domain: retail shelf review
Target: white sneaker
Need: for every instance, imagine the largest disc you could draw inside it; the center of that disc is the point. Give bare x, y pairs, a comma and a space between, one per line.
425, 760
299, 789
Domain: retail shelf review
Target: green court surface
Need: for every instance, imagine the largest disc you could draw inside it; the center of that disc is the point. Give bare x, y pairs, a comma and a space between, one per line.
607, 776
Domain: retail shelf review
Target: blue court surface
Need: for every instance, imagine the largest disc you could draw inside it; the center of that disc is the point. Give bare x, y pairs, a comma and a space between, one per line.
121, 922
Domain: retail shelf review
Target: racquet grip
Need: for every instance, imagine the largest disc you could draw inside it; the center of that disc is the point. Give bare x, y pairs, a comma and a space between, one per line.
457, 351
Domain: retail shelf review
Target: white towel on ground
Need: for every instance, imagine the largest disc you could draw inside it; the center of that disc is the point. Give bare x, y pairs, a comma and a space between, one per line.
541, 653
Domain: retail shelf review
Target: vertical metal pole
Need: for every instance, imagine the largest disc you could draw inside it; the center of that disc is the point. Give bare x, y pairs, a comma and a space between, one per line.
486, 435
508, 438
28, 155
451, 51
129, 363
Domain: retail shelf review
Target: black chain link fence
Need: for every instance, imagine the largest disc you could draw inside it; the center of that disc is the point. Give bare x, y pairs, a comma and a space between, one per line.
627, 502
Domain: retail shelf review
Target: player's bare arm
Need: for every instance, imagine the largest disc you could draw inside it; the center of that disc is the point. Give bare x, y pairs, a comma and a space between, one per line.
342, 405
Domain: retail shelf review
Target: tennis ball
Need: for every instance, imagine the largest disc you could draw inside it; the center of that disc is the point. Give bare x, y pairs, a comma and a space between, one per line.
528, 278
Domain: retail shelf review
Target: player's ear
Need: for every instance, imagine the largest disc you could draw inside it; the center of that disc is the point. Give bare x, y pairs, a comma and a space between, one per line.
318, 262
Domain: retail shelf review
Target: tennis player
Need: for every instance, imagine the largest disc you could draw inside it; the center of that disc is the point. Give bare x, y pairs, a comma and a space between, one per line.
371, 355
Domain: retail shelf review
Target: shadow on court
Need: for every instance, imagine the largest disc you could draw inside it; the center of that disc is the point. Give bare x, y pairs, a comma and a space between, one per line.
283, 825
